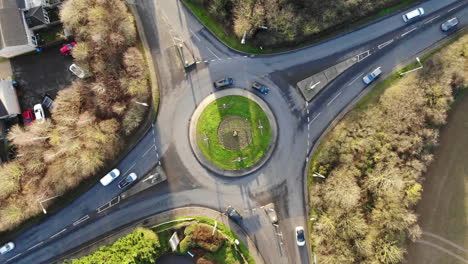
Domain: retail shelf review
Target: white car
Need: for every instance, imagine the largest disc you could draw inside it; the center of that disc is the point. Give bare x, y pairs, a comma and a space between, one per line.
410, 16
77, 71
128, 180
371, 76
110, 177
300, 236
7, 248
39, 113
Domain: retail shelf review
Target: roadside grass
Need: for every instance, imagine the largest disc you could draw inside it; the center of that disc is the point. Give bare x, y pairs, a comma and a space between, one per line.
226, 254
209, 121
227, 37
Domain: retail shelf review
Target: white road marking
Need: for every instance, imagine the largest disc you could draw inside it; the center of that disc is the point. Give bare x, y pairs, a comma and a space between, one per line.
108, 205
213, 60
246, 56
195, 35
308, 119
312, 86
58, 233
355, 79
205, 61
442, 249
229, 58
144, 154
198, 62
451, 9
131, 167
432, 19
445, 240
213, 53
407, 32
15, 256
385, 44
315, 117
336, 96
81, 220
365, 53
38, 244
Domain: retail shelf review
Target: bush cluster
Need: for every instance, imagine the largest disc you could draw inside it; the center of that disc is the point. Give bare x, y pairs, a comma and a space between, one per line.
289, 21
373, 161
90, 118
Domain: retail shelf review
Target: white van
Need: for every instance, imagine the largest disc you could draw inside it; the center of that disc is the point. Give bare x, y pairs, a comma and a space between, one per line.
408, 17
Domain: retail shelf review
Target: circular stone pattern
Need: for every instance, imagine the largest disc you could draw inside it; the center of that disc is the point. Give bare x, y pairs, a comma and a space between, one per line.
233, 132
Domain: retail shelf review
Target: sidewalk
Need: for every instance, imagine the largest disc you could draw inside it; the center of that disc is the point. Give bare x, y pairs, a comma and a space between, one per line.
5, 69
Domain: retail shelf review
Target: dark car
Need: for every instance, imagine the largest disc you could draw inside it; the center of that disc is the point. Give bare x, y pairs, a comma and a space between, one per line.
233, 214
223, 82
28, 117
67, 49
449, 24
128, 180
260, 87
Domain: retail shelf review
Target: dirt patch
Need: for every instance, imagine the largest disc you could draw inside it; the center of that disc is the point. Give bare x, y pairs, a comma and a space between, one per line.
234, 133
443, 209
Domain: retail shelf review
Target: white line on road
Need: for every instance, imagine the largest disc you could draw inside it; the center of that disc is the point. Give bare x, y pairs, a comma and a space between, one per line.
15, 256
131, 167
246, 56
365, 53
81, 220
445, 240
432, 19
58, 233
315, 117
213, 53
195, 35
336, 96
308, 119
385, 44
451, 9
38, 244
355, 79
213, 60
205, 61
407, 32
146, 152
442, 249
229, 58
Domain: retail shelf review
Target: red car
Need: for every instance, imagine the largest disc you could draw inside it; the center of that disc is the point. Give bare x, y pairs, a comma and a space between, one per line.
66, 50
28, 117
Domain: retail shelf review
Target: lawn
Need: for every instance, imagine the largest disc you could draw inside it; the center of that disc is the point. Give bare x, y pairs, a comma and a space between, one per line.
208, 126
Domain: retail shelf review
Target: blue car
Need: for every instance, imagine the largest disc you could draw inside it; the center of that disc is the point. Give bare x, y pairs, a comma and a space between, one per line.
223, 82
260, 87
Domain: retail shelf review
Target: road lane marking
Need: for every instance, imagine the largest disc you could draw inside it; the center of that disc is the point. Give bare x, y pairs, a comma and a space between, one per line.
432, 19
451, 9
385, 44
213, 53
146, 152
213, 60
205, 61
445, 240
58, 233
365, 53
407, 32
442, 249
246, 56
131, 167
108, 204
81, 220
35, 246
195, 35
12, 258
336, 96
355, 79
315, 117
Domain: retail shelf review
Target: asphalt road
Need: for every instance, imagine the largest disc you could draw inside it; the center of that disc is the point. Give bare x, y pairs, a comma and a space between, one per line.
389, 43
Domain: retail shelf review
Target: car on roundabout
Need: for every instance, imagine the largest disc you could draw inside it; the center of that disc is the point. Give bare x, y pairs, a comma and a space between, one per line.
221, 83
128, 180
233, 214
263, 89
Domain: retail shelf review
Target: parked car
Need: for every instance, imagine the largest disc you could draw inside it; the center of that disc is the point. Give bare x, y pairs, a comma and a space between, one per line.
7, 248
77, 71
300, 237
128, 180
233, 214
48, 102
260, 87
449, 24
223, 82
28, 117
371, 76
39, 113
410, 16
110, 177
67, 49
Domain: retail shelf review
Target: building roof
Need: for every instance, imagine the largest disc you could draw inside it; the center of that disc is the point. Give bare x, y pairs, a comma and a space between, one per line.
12, 29
35, 16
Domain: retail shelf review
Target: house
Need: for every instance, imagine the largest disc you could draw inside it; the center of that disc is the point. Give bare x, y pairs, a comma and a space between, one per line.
9, 110
19, 19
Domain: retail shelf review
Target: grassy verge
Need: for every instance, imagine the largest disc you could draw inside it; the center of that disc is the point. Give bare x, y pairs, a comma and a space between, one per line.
227, 37
208, 125
223, 255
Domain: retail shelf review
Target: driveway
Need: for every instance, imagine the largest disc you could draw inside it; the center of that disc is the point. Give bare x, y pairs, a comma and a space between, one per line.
41, 73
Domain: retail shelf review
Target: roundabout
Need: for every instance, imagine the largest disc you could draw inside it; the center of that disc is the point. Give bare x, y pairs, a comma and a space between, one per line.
233, 132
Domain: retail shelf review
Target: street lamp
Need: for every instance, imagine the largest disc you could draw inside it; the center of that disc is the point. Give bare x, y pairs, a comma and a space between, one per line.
40, 202
140, 103
418, 68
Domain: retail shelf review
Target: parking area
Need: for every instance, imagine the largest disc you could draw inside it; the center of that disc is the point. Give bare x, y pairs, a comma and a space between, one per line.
41, 73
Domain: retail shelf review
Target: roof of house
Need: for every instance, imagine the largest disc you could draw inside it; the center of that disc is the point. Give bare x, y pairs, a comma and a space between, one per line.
36, 14
12, 30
